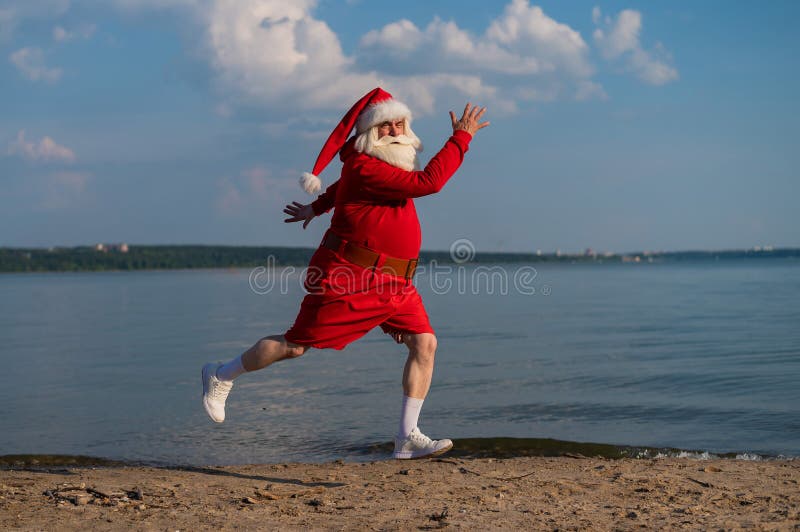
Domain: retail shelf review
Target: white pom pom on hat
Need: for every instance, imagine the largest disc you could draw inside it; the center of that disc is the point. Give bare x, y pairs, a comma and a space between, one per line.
310, 183
375, 107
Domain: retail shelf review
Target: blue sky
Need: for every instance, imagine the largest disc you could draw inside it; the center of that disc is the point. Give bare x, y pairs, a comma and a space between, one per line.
618, 126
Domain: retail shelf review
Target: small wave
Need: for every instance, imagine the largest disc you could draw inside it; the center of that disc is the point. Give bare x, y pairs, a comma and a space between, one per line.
498, 448
44, 461
646, 453
517, 447
751, 456
692, 455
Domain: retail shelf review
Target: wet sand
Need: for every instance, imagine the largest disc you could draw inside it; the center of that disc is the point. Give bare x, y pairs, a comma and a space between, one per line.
472, 493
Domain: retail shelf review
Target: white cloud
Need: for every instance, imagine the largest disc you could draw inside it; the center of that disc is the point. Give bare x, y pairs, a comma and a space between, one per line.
14, 12
253, 190
275, 52
45, 150
83, 31
30, 63
60, 34
528, 31
588, 90
522, 55
622, 36
399, 38
424, 92
277, 55
441, 47
620, 39
137, 5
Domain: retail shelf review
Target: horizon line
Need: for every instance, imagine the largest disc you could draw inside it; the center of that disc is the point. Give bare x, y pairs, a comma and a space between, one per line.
556, 252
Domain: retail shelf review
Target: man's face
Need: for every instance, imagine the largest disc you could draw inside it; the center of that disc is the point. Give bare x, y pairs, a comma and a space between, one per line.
394, 128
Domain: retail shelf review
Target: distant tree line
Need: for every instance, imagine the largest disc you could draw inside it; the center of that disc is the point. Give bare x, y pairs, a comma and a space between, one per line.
87, 258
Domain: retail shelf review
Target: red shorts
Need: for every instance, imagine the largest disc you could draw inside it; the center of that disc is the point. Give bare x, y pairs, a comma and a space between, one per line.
345, 301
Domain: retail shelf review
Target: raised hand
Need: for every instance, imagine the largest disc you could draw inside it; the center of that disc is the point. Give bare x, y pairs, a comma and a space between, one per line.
299, 212
470, 120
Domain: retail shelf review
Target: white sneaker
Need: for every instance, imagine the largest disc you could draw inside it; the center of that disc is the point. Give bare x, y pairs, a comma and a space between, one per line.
417, 445
215, 392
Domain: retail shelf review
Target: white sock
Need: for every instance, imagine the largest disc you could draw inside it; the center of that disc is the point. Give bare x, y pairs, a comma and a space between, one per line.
409, 416
231, 370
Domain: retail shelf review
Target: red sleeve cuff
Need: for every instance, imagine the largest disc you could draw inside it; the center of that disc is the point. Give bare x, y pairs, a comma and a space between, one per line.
318, 207
463, 138
460, 133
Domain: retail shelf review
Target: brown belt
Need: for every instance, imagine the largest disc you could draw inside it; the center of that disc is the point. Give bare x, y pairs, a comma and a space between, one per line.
368, 258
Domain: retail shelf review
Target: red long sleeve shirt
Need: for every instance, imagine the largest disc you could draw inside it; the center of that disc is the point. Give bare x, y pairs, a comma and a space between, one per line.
373, 200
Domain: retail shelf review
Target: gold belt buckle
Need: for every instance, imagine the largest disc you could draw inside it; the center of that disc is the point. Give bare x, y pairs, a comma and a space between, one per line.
411, 268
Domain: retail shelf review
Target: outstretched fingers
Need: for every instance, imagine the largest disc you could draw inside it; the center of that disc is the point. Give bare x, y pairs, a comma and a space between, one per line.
299, 213
293, 210
470, 120
477, 118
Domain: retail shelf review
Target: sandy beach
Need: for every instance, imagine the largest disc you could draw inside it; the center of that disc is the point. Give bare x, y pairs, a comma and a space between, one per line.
532, 493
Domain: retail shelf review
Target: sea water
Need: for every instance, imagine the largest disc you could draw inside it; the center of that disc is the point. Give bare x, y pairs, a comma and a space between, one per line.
695, 356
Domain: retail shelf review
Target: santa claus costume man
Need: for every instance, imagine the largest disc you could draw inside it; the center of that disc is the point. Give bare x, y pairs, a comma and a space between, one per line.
360, 277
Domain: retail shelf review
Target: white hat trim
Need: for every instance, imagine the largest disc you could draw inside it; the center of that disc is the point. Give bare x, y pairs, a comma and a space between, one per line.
379, 113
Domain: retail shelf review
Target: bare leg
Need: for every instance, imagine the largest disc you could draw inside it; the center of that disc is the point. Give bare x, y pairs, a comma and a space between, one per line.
410, 441
266, 351
419, 365
269, 350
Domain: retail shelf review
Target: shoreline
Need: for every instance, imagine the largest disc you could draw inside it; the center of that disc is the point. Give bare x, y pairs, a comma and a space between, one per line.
474, 493
464, 448
565, 262
215, 257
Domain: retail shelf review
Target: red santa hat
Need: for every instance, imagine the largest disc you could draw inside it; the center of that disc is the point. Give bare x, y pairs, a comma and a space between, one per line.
375, 107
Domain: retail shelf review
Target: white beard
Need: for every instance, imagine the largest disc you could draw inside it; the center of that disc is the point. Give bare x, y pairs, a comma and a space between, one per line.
397, 154
398, 151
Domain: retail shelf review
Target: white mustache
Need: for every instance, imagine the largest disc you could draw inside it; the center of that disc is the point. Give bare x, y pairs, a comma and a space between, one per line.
400, 139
